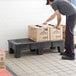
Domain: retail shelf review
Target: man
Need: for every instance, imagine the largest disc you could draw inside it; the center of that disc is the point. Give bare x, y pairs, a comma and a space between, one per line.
65, 8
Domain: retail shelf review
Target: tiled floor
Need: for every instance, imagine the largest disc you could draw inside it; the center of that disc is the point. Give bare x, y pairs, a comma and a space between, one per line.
48, 64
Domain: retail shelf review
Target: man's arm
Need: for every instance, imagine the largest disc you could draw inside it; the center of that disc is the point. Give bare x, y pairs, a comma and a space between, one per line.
58, 18
50, 18
57, 13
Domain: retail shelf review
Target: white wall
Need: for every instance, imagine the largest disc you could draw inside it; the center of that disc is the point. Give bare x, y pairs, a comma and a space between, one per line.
16, 15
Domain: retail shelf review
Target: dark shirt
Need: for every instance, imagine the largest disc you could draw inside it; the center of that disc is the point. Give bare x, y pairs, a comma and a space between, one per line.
64, 7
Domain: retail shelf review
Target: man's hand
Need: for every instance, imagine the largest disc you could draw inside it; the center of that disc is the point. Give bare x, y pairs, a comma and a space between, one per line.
57, 27
45, 23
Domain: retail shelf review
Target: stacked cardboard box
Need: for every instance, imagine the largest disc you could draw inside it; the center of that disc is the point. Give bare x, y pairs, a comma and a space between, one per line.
2, 59
55, 34
38, 33
42, 33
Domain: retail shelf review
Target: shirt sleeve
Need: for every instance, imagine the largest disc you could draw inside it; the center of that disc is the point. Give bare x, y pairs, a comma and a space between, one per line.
54, 6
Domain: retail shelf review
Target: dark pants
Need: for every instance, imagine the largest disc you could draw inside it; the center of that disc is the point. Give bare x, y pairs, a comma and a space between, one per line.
69, 35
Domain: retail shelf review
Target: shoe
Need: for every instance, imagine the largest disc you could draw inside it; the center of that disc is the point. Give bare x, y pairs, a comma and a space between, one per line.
64, 53
65, 57
61, 53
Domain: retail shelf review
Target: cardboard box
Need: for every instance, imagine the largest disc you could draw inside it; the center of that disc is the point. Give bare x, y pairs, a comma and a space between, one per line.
2, 59
38, 33
64, 29
4, 72
2, 56
2, 65
55, 34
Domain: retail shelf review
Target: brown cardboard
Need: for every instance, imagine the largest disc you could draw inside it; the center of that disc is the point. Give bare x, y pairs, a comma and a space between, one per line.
38, 33
55, 34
